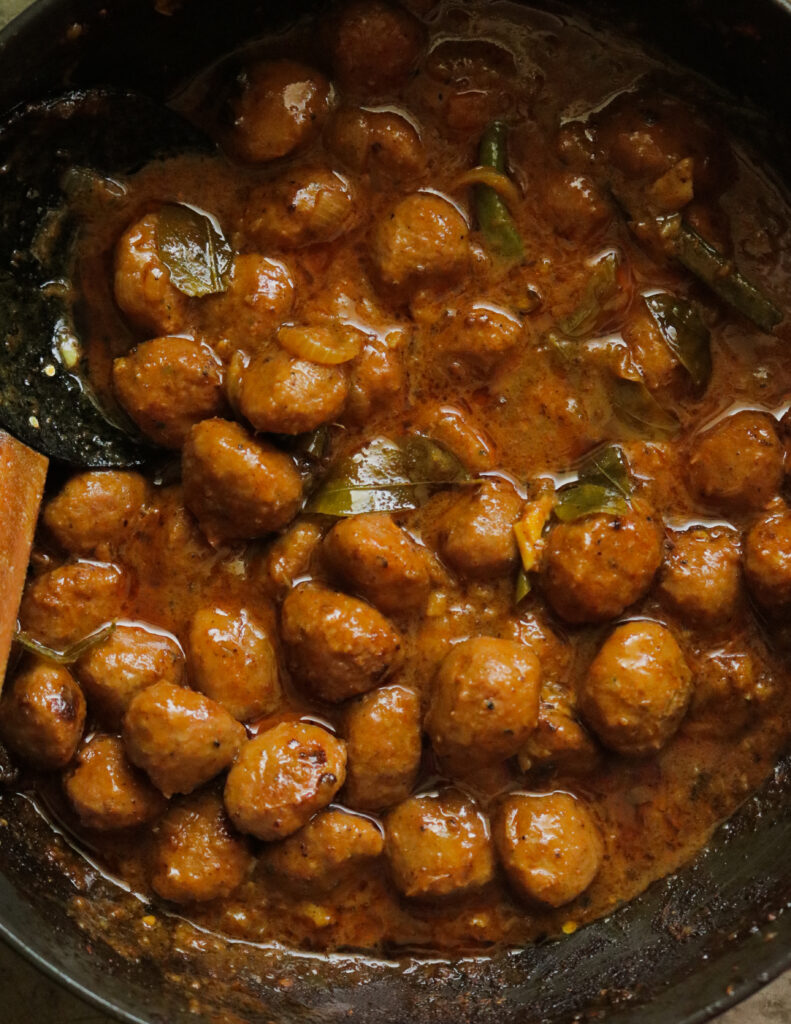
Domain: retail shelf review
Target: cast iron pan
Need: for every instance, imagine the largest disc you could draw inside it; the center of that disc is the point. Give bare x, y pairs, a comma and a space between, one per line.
691, 946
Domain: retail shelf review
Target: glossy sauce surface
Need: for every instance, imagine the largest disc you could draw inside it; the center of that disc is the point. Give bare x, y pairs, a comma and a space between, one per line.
467, 355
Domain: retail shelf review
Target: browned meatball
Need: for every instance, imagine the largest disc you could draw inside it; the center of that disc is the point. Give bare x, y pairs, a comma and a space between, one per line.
575, 206
549, 846
282, 777
167, 385
332, 847
731, 689
701, 577
379, 142
476, 535
289, 556
484, 703
738, 463
196, 855
93, 511
560, 742
595, 567
336, 645
235, 486
260, 295
106, 791
143, 289
306, 206
466, 83
42, 715
377, 381
383, 741
637, 689
767, 560
233, 661
378, 560
374, 46
281, 394
422, 240
180, 738
438, 845
66, 604
477, 336
280, 107
113, 672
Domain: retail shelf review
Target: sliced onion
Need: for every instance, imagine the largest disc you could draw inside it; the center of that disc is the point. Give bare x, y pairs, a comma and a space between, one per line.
326, 345
494, 179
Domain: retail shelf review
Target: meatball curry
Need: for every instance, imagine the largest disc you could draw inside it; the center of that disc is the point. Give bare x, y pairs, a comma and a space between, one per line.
450, 608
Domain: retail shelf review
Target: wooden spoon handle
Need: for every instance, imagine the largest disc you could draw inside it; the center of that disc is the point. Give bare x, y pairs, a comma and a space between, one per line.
22, 475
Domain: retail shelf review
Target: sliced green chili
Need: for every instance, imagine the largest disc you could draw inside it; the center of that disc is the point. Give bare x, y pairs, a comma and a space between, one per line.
496, 223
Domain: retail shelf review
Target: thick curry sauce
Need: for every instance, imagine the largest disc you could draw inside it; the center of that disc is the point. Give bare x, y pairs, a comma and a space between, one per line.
549, 661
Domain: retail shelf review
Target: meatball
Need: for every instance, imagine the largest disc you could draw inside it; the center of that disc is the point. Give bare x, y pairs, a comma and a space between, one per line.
259, 297
476, 535
42, 715
106, 791
637, 689
478, 336
575, 206
280, 107
378, 560
374, 46
466, 84
549, 846
113, 672
180, 738
233, 661
459, 433
332, 847
731, 689
738, 464
67, 604
379, 142
289, 556
282, 394
93, 511
560, 742
336, 645
424, 239
304, 207
167, 385
383, 740
438, 845
235, 486
196, 855
767, 560
484, 704
595, 567
701, 577
143, 289
377, 381
282, 777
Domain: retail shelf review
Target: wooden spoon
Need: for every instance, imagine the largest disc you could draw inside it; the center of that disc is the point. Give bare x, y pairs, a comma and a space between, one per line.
22, 476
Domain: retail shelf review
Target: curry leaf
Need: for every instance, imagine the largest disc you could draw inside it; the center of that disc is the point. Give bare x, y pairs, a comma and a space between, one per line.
387, 476
637, 409
194, 251
686, 335
609, 467
586, 499
523, 586
602, 287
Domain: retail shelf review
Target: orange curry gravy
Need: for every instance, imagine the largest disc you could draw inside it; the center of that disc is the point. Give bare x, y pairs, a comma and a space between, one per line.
525, 415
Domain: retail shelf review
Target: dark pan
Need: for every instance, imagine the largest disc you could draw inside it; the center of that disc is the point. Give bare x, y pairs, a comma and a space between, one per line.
691, 946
